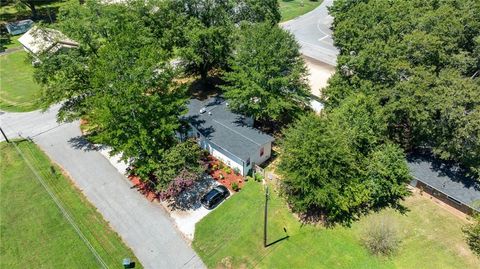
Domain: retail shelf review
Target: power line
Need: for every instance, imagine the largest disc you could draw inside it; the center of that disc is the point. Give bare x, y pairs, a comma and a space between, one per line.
56, 189
62, 209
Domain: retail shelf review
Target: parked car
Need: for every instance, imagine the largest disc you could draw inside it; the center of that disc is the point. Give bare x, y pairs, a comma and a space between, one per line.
214, 197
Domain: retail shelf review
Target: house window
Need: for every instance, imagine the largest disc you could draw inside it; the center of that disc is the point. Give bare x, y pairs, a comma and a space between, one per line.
262, 151
454, 200
248, 162
198, 134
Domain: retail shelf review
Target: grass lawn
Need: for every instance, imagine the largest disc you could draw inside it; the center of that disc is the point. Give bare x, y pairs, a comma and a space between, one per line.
14, 42
231, 236
18, 90
34, 233
291, 9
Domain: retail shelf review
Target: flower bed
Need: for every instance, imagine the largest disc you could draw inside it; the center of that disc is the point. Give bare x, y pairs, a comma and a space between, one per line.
225, 175
142, 188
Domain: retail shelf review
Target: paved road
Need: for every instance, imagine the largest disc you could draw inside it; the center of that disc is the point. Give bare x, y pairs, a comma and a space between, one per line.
144, 226
313, 32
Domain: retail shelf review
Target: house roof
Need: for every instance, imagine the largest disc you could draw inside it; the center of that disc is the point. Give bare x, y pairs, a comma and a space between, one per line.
39, 40
19, 27
445, 178
224, 128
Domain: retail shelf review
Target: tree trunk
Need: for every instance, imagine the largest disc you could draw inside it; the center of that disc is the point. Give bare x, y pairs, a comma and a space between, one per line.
32, 7
204, 75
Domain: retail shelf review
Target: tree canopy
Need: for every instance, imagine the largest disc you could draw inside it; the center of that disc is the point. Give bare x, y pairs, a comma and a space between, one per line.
208, 35
420, 60
340, 166
267, 79
124, 77
119, 79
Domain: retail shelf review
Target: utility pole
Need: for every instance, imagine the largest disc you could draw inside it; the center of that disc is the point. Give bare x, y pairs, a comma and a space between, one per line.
265, 219
4, 136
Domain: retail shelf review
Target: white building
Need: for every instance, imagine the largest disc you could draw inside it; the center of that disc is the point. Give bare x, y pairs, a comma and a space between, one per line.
228, 136
41, 40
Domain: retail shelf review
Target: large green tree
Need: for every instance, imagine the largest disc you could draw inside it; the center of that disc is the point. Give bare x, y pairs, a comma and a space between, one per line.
33, 4
418, 58
339, 166
119, 79
268, 75
208, 36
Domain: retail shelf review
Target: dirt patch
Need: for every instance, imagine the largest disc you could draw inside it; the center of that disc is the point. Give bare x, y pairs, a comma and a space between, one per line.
319, 73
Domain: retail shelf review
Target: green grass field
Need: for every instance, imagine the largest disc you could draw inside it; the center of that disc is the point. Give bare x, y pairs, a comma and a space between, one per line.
34, 233
18, 90
291, 9
232, 236
14, 42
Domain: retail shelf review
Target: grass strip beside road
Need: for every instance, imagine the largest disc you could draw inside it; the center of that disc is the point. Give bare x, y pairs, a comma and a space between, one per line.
290, 9
34, 231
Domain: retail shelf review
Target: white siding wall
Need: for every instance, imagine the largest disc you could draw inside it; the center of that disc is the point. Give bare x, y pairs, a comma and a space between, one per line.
267, 152
225, 157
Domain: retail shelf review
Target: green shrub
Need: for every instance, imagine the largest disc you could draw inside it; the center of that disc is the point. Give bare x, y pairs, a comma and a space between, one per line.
228, 170
472, 234
236, 170
258, 177
235, 186
381, 237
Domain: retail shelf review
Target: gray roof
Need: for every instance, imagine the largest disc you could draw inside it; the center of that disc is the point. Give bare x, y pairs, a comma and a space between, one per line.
224, 128
448, 179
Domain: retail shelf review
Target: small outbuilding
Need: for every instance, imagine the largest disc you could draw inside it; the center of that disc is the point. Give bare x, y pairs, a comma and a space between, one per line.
447, 183
41, 40
228, 136
19, 27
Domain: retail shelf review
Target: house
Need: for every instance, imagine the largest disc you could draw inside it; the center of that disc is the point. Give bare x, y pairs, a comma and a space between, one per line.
445, 182
39, 40
228, 136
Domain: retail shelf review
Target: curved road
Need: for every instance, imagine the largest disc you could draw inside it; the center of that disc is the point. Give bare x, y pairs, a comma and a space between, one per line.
144, 226
314, 35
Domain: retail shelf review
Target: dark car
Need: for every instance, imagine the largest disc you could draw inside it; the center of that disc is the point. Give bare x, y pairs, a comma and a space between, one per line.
214, 197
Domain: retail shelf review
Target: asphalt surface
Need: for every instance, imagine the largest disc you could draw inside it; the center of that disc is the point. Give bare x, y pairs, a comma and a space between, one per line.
312, 31
144, 226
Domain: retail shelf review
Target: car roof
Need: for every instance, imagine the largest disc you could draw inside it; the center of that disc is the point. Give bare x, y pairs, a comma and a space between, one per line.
212, 193
221, 188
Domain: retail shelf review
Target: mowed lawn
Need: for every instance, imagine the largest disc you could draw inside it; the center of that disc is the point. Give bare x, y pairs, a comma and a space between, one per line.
291, 9
34, 233
18, 90
232, 237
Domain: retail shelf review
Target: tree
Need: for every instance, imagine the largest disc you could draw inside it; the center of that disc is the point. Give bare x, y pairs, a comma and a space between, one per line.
472, 233
209, 32
182, 165
340, 165
206, 48
119, 79
32, 5
257, 11
418, 59
268, 76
